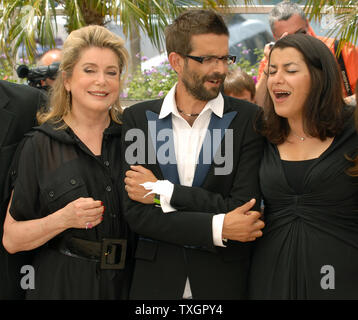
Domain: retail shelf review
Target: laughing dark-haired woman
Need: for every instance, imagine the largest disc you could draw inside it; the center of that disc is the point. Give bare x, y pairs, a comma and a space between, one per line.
309, 248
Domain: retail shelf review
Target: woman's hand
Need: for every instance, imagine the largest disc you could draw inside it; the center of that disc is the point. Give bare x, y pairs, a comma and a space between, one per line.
82, 213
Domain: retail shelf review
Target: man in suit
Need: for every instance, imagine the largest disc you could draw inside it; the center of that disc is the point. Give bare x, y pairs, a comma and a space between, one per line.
196, 233
18, 107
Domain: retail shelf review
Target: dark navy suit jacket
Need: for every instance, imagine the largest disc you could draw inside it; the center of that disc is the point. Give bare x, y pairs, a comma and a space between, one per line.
177, 245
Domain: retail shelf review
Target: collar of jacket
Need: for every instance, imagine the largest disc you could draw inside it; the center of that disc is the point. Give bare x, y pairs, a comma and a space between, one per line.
66, 135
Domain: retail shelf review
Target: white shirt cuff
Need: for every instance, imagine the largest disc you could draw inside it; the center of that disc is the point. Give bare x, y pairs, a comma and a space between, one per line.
165, 200
217, 225
165, 189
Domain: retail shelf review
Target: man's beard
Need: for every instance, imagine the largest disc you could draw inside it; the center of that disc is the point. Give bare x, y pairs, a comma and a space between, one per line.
194, 84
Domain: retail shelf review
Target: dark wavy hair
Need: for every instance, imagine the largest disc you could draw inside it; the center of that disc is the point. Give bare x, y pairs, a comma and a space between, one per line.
323, 111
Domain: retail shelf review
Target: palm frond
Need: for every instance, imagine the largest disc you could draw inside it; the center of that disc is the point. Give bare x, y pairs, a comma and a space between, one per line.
23, 27
344, 16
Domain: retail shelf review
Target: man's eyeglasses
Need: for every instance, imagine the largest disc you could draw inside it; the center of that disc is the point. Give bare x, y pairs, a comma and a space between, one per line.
211, 59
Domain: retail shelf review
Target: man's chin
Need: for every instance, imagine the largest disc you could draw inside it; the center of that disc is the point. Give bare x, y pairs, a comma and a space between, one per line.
209, 94
200, 92
213, 92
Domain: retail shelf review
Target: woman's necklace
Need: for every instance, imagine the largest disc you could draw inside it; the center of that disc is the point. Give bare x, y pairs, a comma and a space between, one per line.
301, 138
188, 114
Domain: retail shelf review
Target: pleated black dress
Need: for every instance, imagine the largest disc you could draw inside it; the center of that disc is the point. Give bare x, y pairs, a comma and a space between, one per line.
55, 168
309, 248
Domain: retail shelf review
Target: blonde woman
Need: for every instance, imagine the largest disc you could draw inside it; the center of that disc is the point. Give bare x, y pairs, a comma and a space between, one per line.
66, 200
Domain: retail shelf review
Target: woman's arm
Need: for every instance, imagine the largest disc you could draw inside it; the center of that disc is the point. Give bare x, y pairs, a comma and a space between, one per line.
31, 234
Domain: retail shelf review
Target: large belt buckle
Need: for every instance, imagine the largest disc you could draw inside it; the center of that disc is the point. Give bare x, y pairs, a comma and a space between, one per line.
110, 253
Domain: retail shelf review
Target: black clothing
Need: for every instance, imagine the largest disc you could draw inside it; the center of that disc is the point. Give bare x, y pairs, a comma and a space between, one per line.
179, 245
18, 107
307, 232
295, 172
55, 169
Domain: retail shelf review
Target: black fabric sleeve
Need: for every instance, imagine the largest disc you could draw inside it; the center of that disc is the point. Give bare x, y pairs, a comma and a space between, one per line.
25, 202
180, 227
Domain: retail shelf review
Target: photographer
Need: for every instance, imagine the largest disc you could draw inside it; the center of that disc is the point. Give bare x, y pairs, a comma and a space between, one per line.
43, 76
47, 59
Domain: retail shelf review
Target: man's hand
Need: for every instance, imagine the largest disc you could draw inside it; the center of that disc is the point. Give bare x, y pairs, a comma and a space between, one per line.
243, 225
351, 100
136, 176
267, 49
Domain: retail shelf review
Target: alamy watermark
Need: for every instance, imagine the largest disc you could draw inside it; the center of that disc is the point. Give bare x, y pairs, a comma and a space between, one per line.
329, 20
28, 280
328, 280
211, 152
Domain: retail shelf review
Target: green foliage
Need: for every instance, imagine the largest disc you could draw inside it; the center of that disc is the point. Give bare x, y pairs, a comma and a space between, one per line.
7, 70
150, 84
245, 65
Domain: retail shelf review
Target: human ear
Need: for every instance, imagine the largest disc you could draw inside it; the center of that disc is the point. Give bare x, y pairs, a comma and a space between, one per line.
66, 81
176, 61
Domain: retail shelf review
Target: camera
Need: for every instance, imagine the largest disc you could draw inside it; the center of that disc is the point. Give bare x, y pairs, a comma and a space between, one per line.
35, 75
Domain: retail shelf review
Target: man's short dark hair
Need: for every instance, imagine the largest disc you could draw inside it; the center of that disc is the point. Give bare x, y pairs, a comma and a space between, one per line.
192, 22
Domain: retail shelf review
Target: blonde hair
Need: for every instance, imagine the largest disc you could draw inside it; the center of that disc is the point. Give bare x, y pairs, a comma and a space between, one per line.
78, 41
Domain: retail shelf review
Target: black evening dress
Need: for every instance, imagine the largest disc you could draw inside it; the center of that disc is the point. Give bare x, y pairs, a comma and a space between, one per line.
55, 168
309, 247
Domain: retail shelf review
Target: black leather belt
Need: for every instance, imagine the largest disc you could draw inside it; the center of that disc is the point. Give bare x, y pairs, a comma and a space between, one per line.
111, 253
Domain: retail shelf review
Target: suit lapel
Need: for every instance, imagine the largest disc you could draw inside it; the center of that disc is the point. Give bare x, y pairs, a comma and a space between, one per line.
212, 141
162, 147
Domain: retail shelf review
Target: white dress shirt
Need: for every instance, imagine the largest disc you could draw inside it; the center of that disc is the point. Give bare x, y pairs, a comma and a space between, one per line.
188, 141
